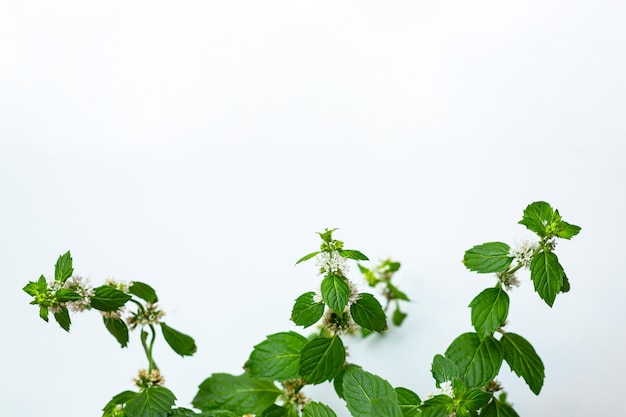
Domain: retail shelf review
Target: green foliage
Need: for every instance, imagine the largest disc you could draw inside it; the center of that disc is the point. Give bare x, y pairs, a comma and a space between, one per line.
353, 254
306, 312
315, 409
443, 369
542, 219
498, 409
107, 298
143, 291
118, 329
151, 402
547, 275
180, 343
408, 401
523, 360
118, 400
490, 309
335, 292
368, 313
478, 360
321, 359
488, 257
277, 357
63, 269
368, 395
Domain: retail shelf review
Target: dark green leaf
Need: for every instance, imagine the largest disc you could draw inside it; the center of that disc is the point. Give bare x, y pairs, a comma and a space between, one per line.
367, 394
490, 309
63, 318
119, 399
368, 313
315, 409
488, 257
498, 409
547, 275
307, 257
398, 317
443, 369
321, 359
185, 412
409, 402
437, 406
63, 268
43, 312
277, 411
353, 254
478, 360
277, 357
240, 394
180, 343
565, 287
306, 312
475, 399
65, 295
151, 402
395, 293
143, 291
523, 360
118, 329
107, 298
335, 292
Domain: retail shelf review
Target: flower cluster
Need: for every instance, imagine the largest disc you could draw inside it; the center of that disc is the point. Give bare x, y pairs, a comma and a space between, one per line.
150, 315
508, 279
81, 286
523, 252
332, 263
149, 379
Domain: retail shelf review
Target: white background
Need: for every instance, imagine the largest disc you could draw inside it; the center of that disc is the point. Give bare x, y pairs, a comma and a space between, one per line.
198, 146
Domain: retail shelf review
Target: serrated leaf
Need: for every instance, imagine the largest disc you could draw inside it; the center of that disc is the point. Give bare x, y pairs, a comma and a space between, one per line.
277, 357
490, 309
240, 394
443, 369
307, 257
306, 312
475, 399
437, 406
151, 402
34, 288
488, 257
65, 295
63, 318
315, 409
367, 394
537, 216
478, 360
353, 254
107, 298
119, 399
368, 313
409, 402
523, 360
63, 269
118, 329
321, 359
566, 230
180, 343
547, 275
335, 292
143, 291
498, 409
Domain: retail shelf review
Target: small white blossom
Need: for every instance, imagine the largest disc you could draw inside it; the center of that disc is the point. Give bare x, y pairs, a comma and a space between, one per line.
120, 285
332, 263
508, 280
317, 298
523, 252
354, 293
446, 388
81, 286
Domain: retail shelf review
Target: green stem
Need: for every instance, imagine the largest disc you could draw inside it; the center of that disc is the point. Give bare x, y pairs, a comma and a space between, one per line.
151, 363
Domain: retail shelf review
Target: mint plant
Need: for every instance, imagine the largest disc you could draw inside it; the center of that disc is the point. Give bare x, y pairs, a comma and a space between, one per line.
274, 378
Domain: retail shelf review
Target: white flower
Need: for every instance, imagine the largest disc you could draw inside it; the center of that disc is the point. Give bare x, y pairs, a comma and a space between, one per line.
446, 388
81, 286
317, 298
332, 263
508, 280
523, 252
354, 293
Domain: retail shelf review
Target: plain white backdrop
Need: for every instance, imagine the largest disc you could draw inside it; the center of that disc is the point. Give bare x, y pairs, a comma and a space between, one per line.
198, 146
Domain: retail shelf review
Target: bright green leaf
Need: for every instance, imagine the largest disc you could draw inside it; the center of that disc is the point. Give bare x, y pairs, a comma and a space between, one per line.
240, 394
475, 399
321, 359
488, 257
119, 399
63, 318
490, 309
566, 230
498, 409
547, 275
307, 257
478, 360
537, 216
107, 298
143, 291
63, 268
151, 402
385, 406
43, 312
523, 360
118, 329
277, 357
306, 312
65, 295
353, 254
443, 369
437, 406
180, 343
335, 292
315, 409
361, 389
368, 313
398, 316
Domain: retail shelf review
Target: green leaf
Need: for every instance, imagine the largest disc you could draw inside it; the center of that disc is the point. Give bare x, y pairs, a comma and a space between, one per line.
409, 402
107, 298
63, 268
335, 292
368, 313
490, 309
306, 312
277, 357
180, 343
143, 291
118, 329
185, 412
240, 394
547, 275
368, 395
43, 312
321, 359
395, 293
398, 317
523, 360
437, 406
119, 399
475, 399
65, 295
498, 409
315, 409
478, 360
566, 230
443, 369
537, 216
488, 257
63, 318
151, 402
307, 257
353, 254
35, 288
